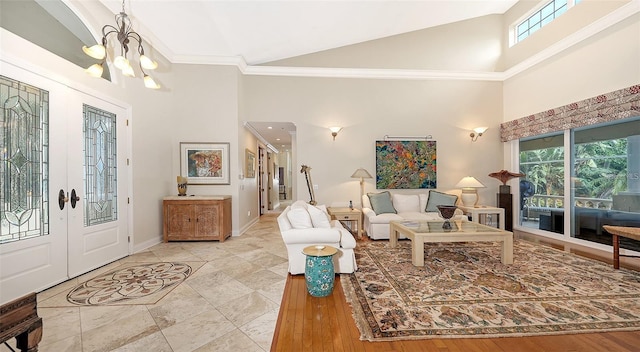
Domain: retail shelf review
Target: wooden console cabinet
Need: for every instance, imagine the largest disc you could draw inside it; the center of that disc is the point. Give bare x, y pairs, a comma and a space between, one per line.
196, 218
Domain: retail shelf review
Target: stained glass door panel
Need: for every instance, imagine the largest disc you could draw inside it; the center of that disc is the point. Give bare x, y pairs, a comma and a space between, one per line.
33, 229
23, 161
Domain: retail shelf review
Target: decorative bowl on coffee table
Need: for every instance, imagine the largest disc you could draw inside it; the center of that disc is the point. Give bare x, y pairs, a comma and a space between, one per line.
447, 212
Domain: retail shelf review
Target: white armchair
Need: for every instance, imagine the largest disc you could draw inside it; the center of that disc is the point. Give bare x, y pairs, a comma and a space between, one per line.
299, 232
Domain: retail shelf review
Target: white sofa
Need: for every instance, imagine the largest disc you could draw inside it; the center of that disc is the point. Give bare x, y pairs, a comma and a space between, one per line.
407, 207
316, 228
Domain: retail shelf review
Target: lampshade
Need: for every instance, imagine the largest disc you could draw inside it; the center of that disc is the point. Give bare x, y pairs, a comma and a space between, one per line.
361, 173
469, 185
95, 70
150, 83
469, 182
480, 130
96, 51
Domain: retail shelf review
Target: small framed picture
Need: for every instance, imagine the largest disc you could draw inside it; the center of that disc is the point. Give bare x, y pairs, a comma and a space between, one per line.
205, 163
250, 164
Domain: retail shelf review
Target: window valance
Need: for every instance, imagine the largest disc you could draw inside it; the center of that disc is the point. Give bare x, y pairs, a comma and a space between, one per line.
616, 105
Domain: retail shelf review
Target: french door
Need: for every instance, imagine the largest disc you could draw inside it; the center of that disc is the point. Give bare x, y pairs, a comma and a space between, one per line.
64, 182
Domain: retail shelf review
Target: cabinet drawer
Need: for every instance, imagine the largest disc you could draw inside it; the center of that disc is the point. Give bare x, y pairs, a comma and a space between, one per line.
347, 217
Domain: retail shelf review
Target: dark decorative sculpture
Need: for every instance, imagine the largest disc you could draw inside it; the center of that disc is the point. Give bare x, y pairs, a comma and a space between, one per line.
504, 176
307, 174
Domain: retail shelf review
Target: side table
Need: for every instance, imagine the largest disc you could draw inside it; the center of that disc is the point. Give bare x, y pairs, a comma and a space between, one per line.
617, 232
319, 272
347, 214
481, 211
19, 319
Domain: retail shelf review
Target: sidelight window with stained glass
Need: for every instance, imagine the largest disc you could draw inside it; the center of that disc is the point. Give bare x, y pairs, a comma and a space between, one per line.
100, 166
24, 161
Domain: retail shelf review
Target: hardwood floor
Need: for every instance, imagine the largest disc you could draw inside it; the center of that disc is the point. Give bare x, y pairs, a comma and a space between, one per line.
307, 323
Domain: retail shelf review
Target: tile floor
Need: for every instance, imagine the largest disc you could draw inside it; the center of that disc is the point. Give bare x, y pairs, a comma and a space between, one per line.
229, 303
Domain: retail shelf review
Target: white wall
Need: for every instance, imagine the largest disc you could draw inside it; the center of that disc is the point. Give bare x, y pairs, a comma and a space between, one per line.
608, 61
204, 108
471, 45
370, 109
248, 205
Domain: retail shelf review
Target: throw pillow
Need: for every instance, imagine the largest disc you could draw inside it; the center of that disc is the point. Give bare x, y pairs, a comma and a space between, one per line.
406, 203
381, 203
438, 198
319, 218
299, 218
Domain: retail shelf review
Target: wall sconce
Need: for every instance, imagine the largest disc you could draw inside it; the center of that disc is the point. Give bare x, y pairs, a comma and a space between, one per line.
334, 131
477, 132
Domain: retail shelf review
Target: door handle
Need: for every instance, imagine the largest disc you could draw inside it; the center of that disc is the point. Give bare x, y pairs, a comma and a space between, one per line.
62, 199
74, 198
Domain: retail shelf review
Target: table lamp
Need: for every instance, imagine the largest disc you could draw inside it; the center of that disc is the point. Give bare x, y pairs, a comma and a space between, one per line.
361, 174
469, 187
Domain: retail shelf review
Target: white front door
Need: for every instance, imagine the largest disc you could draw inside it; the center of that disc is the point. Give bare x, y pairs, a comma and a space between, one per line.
47, 149
97, 223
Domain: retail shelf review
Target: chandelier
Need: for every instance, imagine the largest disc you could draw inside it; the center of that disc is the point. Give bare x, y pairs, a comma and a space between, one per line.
124, 34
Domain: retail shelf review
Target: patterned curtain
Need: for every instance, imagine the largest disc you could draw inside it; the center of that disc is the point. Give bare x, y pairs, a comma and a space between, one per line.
617, 105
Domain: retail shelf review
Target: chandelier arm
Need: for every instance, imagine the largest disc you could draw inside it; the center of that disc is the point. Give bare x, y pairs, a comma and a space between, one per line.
135, 36
111, 29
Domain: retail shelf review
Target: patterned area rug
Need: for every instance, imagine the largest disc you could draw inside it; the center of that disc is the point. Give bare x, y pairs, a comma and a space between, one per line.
464, 291
128, 285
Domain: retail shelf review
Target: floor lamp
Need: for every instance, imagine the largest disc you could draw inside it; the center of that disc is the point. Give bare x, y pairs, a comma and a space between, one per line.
361, 174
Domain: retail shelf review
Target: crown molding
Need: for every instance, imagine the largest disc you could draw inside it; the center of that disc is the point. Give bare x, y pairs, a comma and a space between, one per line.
371, 73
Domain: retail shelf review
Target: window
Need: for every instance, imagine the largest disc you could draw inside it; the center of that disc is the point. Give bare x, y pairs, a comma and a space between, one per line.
606, 181
604, 171
542, 187
543, 16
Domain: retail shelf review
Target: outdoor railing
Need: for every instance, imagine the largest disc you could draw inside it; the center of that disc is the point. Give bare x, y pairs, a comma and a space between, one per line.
540, 203
550, 201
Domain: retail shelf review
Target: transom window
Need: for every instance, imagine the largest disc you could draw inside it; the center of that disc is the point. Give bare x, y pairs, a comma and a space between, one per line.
541, 17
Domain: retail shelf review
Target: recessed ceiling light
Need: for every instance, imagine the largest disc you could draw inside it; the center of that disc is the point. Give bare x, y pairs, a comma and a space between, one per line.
277, 139
269, 128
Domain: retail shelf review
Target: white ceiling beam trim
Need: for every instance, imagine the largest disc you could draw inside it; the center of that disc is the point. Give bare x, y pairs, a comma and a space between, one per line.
371, 73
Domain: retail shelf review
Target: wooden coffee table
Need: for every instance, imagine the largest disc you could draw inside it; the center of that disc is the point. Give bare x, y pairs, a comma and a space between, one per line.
421, 232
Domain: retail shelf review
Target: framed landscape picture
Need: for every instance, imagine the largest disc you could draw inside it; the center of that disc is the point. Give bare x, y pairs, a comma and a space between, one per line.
205, 163
250, 164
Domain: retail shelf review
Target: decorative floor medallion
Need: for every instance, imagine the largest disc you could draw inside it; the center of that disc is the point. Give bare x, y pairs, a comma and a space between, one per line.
131, 283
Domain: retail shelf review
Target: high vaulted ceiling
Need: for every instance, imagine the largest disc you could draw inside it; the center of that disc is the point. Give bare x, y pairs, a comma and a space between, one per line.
259, 31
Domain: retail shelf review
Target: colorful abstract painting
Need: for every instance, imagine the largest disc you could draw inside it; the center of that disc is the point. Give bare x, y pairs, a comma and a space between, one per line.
406, 164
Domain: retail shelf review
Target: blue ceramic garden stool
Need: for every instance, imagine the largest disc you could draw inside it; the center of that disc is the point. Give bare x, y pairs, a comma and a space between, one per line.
318, 272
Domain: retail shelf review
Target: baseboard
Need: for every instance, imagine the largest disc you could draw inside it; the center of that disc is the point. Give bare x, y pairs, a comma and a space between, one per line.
147, 244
